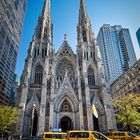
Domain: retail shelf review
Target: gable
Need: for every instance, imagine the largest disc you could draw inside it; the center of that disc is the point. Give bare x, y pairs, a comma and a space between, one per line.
65, 50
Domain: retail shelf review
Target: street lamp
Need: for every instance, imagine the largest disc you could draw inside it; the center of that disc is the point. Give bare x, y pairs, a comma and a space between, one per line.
32, 120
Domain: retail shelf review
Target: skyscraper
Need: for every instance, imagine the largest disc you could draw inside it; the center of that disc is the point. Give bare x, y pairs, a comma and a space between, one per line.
13, 93
116, 49
58, 89
138, 36
11, 22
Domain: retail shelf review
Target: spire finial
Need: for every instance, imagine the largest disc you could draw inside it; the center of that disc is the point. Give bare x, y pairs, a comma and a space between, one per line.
46, 9
82, 2
84, 29
82, 12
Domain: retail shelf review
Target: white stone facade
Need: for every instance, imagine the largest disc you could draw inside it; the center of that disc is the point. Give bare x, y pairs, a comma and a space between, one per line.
57, 90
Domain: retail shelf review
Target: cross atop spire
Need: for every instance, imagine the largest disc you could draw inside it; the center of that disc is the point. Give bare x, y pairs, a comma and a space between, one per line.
82, 12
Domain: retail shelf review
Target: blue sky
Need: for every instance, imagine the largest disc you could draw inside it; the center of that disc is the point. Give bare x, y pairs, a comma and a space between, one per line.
65, 18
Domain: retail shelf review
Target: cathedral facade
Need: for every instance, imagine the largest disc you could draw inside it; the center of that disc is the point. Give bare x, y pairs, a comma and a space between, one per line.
58, 89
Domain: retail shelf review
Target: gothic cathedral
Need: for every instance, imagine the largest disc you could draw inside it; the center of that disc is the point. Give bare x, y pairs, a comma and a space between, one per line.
58, 89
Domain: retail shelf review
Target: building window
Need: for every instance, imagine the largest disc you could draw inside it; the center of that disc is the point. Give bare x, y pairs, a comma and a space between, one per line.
45, 33
38, 74
16, 4
24, 5
2, 34
91, 78
84, 35
63, 66
65, 107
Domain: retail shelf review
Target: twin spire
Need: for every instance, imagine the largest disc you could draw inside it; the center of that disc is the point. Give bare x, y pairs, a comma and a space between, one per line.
44, 27
82, 11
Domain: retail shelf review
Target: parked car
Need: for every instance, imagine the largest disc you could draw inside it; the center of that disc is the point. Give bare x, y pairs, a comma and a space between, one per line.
122, 135
54, 136
85, 135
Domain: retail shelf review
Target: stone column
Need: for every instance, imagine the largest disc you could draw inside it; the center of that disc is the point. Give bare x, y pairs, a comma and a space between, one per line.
57, 119
20, 123
89, 109
110, 116
87, 95
51, 116
81, 114
80, 104
52, 86
42, 109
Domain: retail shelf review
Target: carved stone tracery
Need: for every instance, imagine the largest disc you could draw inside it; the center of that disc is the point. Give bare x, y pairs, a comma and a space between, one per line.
65, 107
63, 66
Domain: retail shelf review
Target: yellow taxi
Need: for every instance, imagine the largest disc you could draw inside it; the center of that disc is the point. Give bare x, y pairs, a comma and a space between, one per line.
122, 135
85, 135
54, 136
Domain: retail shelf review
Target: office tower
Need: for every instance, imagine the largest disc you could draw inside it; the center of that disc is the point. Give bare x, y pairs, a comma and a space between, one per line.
138, 36
11, 22
13, 93
58, 89
116, 49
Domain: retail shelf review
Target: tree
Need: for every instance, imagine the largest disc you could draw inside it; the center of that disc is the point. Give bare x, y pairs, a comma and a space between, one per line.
128, 111
8, 117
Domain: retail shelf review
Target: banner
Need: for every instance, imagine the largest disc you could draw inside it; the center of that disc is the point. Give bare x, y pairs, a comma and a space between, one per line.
94, 111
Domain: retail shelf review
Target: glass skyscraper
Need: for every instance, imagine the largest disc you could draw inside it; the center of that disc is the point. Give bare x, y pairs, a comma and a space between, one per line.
116, 49
138, 36
11, 22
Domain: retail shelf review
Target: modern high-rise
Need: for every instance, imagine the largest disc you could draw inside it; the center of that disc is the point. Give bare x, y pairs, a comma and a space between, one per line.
13, 93
11, 22
58, 89
116, 50
138, 36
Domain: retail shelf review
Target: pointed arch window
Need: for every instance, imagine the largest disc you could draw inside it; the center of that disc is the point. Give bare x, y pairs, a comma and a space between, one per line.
80, 58
38, 32
45, 33
35, 53
65, 107
38, 74
42, 53
91, 77
62, 66
84, 34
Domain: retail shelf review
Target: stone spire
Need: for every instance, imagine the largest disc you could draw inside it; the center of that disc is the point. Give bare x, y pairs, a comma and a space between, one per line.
84, 29
44, 26
82, 12
46, 10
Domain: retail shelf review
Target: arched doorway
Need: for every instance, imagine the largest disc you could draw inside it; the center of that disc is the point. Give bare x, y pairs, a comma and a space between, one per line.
66, 124
95, 123
34, 123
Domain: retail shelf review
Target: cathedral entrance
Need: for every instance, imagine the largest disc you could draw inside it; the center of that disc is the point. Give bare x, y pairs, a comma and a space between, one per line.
34, 124
96, 124
66, 124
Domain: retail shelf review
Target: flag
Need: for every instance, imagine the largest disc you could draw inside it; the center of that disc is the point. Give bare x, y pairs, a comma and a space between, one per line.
94, 111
